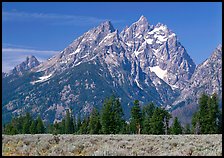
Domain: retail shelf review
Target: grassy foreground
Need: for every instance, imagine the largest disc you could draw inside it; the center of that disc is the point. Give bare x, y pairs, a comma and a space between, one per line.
114, 145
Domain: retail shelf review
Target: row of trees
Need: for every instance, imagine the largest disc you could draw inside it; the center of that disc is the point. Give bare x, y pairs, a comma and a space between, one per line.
24, 125
148, 119
208, 119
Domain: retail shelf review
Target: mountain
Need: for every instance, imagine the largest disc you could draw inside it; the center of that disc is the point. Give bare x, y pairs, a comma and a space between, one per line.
143, 62
26, 65
206, 78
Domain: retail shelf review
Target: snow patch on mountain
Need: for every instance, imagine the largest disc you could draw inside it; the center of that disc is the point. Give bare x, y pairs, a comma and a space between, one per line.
42, 79
159, 72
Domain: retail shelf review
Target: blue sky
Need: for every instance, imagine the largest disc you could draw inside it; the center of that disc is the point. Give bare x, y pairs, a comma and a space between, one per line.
45, 28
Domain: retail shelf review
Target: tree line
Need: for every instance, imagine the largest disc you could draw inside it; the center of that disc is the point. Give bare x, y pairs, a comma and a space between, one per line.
148, 119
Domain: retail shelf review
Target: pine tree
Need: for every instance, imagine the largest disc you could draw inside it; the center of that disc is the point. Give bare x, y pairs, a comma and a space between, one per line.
69, 126
40, 125
33, 127
176, 127
106, 116
84, 129
187, 129
213, 114
79, 123
62, 126
156, 122
147, 115
203, 113
136, 118
117, 114
26, 124
75, 125
94, 123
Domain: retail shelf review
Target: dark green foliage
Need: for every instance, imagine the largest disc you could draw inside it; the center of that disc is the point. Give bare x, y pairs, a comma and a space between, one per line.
159, 121
176, 127
84, 129
156, 122
94, 123
136, 118
111, 116
207, 120
27, 124
69, 126
33, 127
148, 120
147, 115
40, 126
187, 129
10, 129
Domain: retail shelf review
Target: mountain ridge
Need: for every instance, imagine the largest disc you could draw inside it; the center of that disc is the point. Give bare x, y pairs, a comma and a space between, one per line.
143, 62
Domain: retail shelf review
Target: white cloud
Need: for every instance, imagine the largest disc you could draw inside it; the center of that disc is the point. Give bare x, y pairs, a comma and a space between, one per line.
14, 56
60, 19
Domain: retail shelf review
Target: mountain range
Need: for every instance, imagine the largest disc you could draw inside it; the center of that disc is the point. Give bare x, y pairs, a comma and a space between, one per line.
143, 62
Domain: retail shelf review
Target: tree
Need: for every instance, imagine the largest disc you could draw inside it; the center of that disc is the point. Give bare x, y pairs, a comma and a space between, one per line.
147, 115
84, 129
69, 126
156, 122
33, 127
26, 124
40, 125
10, 129
213, 114
176, 127
79, 123
187, 129
207, 119
94, 123
111, 116
136, 118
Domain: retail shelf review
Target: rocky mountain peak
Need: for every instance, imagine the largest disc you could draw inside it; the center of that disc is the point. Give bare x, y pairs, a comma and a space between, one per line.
30, 62
142, 20
106, 26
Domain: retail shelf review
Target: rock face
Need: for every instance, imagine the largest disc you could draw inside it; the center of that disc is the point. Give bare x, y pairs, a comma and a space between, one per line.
28, 64
143, 62
206, 78
112, 145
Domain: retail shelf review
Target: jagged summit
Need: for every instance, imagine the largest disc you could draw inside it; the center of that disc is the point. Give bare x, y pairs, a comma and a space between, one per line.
106, 26
143, 62
30, 62
142, 19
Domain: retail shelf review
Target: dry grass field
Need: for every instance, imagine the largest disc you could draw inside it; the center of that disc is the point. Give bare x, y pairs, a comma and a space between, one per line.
112, 145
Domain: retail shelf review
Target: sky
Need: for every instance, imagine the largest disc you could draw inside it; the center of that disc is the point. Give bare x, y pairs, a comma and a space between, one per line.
43, 29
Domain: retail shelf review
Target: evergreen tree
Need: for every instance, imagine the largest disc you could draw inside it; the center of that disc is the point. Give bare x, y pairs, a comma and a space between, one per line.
207, 120
111, 116
156, 122
26, 124
117, 116
75, 125
79, 123
195, 123
147, 115
176, 127
84, 129
213, 114
10, 129
69, 126
94, 123
106, 117
187, 129
136, 118
33, 127
204, 113
62, 126
40, 125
